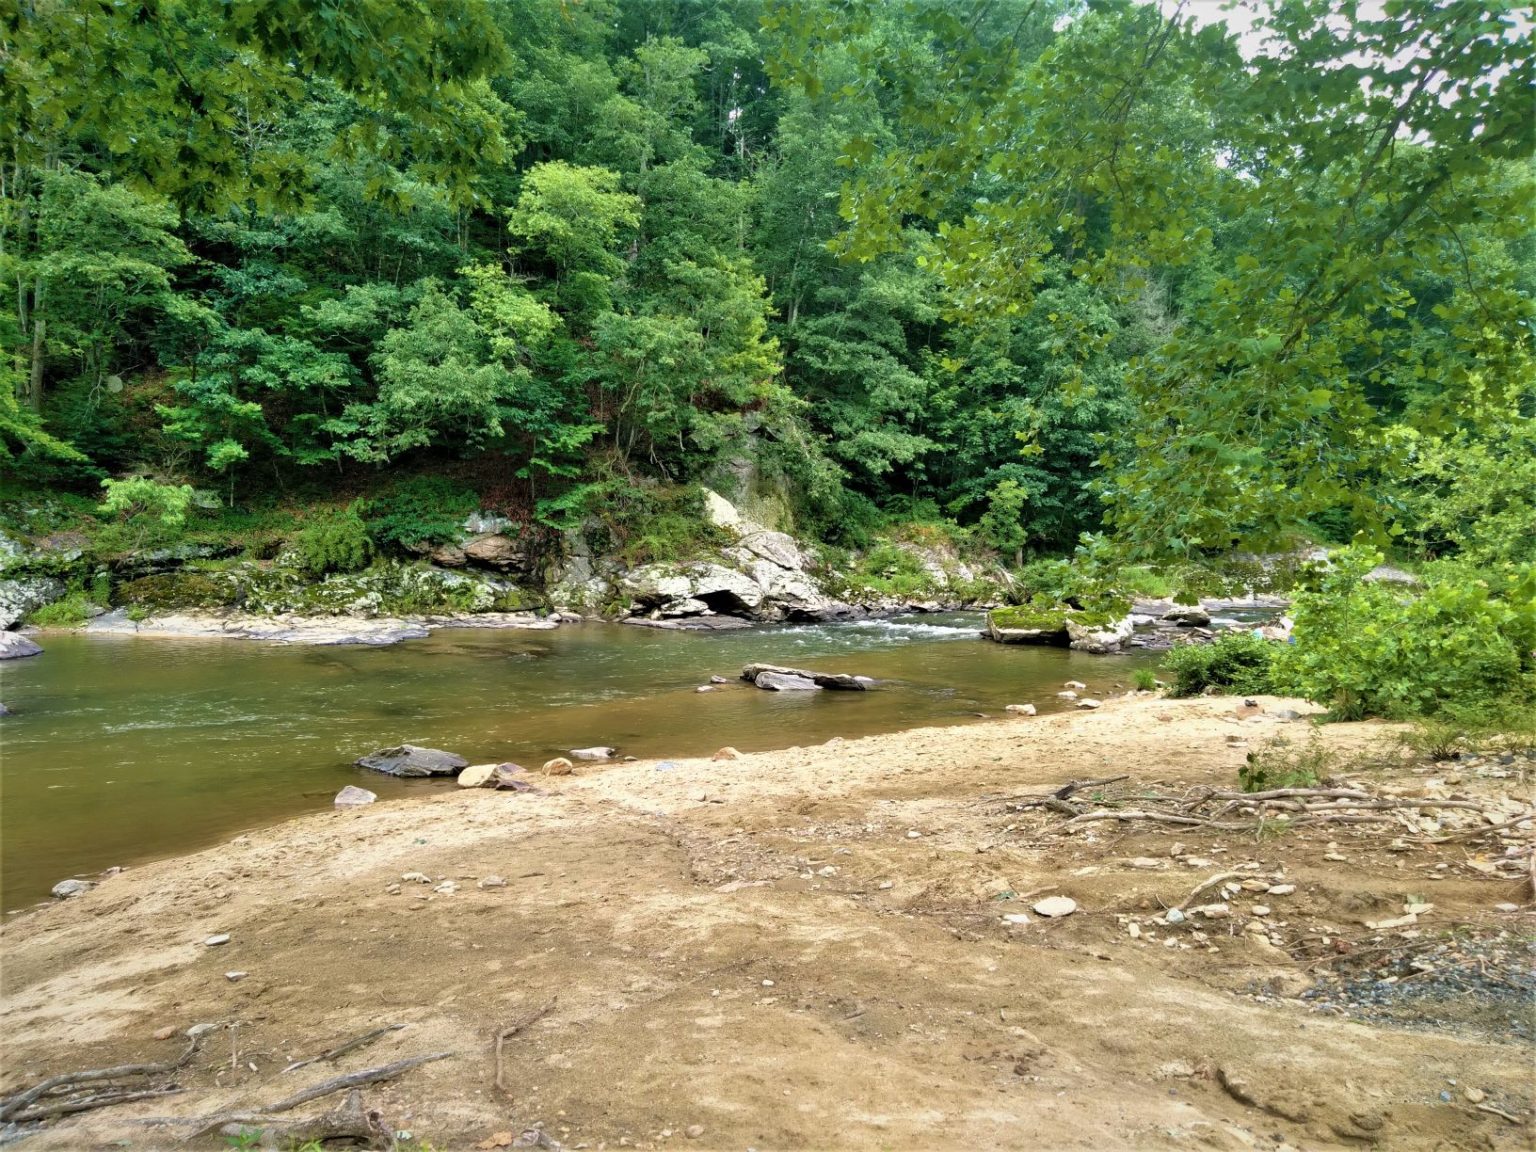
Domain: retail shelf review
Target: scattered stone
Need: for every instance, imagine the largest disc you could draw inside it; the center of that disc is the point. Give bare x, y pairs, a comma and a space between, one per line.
1067, 695
235, 977
447, 888
1260, 910
1133, 930
1187, 616
164, 1033
1280, 890
886, 885
392, 889
14, 646
559, 766
1017, 918
1215, 911
1506, 907
705, 688
1474, 1095
479, 776
409, 760
596, 752
718, 680
726, 753
1088, 702
415, 878
1054, 906
1021, 709
693, 1131
215, 941
913, 834
354, 797
1336, 857
1173, 916
828, 871
1146, 862
65, 889
492, 882
1287, 714
197, 1030
1074, 684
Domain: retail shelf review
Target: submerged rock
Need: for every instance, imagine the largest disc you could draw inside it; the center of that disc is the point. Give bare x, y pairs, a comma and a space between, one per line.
14, 646
65, 889
409, 760
596, 752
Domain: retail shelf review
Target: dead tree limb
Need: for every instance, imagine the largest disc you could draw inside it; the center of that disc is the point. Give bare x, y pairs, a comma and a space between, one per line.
347, 1121
343, 1049
355, 1080
512, 1030
48, 1110
13, 1104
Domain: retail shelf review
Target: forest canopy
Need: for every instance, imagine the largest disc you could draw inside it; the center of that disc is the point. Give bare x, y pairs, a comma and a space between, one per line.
1041, 268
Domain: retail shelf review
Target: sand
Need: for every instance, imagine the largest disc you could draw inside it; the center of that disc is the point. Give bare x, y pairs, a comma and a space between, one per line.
794, 949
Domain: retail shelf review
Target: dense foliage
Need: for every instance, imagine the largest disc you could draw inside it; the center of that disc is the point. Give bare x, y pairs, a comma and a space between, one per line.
1037, 266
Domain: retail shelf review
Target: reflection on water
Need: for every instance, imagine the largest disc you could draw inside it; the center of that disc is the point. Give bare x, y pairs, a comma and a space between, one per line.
125, 749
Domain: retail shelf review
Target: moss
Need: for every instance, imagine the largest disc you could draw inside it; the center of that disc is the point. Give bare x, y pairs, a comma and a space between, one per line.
178, 591
1030, 617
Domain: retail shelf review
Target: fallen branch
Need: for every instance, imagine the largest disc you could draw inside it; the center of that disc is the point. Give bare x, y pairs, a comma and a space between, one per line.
347, 1121
47, 1111
1142, 814
13, 1104
512, 1030
1511, 1117
349, 1046
355, 1080
1474, 833
1219, 878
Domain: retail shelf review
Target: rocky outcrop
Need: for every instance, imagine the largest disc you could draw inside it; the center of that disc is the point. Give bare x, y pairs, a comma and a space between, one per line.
14, 646
785, 682
321, 631
22, 595
410, 760
1098, 638
1028, 624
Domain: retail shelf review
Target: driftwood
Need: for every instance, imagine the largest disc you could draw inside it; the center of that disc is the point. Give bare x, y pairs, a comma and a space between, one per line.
12, 1107
512, 1030
347, 1121
343, 1049
1219, 878
48, 1110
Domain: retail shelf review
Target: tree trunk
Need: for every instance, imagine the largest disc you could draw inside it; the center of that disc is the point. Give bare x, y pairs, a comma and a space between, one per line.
39, 327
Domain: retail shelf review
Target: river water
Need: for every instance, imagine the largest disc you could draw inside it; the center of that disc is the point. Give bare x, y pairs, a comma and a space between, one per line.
124, 749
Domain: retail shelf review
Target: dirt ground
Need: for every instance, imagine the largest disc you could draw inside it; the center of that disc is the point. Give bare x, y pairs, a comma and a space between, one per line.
807, 949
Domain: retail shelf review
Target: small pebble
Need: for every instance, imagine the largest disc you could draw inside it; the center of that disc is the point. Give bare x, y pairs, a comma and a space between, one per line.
492, 882
887, 885
164, 1033
214, 941
1259, 910
1056, 906
913, 834
1016, 918
1475, 1095
234, 976
767, 983
693, 1131
1281, 890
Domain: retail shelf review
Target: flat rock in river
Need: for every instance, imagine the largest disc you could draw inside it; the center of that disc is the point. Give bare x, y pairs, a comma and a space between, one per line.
785, 682
13, 646
839, 681
409, 760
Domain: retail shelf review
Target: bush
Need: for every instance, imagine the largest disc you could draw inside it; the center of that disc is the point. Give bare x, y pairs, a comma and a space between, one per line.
419, 513
1279, 764
148, 513
1235, 663
1144, 679
1466, 640
334, 542
69, 612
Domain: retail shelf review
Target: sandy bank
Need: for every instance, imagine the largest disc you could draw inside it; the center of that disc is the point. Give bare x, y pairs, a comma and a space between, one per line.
795, 949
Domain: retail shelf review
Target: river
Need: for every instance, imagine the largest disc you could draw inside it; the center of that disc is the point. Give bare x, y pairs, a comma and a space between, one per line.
125, 749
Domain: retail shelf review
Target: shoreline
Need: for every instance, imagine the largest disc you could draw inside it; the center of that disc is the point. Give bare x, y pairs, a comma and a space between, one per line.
820, 920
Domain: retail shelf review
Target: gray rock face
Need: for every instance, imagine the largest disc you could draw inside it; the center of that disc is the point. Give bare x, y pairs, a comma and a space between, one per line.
1187, 616
13, 646
409, 760
354, 797
496, 551
785, 682
25, 594
1099, 640
837, 681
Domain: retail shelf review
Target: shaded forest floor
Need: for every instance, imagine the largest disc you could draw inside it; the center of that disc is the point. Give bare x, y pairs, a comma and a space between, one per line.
808, 948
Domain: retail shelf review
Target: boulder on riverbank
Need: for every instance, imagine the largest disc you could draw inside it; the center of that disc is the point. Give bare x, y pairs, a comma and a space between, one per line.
410, 760
1028, 624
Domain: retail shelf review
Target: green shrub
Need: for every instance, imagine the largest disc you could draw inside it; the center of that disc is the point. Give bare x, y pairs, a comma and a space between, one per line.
419, 513
336, 541
177, 590
1465, 640
1279, 764
1235, 663
1144, 679
69, 612
147, 513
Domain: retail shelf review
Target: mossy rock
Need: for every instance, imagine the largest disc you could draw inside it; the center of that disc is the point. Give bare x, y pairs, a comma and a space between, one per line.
177, 591
1029, 624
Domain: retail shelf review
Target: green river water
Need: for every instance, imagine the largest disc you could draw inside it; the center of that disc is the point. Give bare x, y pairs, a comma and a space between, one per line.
125, 749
